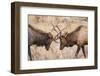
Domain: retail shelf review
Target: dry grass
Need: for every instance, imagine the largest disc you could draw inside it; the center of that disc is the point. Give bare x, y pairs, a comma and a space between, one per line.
44, 23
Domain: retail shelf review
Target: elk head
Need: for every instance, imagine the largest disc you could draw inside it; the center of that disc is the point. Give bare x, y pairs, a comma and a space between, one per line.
63, 41
49, 41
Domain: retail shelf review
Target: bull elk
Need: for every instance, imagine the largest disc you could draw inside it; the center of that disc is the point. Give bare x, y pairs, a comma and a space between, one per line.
39, 38
77, 37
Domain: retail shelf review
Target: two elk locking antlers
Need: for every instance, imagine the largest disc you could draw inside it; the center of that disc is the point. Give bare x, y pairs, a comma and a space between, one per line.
77, 37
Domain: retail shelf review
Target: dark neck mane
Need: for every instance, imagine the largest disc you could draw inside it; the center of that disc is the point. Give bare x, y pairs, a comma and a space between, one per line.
74, 32
77, 29
36, 30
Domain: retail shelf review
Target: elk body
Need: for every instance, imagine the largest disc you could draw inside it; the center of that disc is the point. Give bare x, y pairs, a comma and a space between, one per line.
39, 38
78, 37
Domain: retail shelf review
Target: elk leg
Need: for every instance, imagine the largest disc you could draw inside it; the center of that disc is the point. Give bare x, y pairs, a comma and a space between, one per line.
29, 53
83, 51
78, 49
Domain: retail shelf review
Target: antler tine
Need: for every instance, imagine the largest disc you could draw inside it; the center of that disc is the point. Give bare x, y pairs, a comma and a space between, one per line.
59, 32
58, 28
57, 36
54, 27
61, 29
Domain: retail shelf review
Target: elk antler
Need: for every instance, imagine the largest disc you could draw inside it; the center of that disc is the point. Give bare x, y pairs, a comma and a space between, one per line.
60, 33
66, 34
54, 28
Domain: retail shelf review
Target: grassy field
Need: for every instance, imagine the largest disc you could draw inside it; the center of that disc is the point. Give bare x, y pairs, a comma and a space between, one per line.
44, 23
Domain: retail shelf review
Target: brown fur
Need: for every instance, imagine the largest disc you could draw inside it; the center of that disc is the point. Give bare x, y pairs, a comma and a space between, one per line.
77, 37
